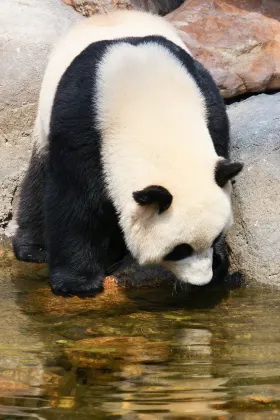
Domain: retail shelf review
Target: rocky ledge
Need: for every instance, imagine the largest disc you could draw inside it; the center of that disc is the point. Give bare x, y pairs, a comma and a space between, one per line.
255, 240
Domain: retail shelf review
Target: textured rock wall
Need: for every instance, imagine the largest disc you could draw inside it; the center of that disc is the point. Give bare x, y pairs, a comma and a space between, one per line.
238, 45
28, 30
255, 238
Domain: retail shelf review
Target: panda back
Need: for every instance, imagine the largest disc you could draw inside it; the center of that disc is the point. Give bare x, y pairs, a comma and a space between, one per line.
115, 25
141, 111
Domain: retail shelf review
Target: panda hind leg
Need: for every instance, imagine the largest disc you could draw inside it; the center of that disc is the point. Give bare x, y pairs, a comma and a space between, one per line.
74, 241
28, 241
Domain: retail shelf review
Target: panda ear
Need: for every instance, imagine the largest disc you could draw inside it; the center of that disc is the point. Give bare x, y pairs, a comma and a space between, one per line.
226, 170
154, 194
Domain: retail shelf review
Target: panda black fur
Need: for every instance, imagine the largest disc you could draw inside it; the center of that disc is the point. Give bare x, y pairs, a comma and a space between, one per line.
69, 213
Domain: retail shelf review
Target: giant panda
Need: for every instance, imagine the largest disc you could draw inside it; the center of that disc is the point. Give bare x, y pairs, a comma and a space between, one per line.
130, 158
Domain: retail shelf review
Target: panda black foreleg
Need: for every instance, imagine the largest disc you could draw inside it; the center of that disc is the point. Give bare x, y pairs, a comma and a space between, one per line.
28, 242
220, 261
74, 257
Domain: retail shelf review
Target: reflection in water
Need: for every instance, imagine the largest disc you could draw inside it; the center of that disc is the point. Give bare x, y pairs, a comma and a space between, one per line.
136, 354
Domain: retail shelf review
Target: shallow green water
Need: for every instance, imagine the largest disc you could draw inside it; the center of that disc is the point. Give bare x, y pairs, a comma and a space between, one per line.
141, 354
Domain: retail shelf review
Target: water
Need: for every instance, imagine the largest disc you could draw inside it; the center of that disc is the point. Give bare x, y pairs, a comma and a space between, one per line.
136, 354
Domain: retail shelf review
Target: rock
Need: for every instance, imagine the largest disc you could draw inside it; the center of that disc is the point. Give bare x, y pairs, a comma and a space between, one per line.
255, 239
43, 302
116, 296
91, 7
240, 47
270, 8
9, 387
100, 352
28, 30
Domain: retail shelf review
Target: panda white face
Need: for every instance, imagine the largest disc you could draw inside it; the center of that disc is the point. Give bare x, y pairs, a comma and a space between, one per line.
180, 233
185, 249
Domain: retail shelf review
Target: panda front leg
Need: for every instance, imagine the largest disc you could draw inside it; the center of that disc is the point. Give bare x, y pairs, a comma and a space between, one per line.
74, 256
28, 241
220, 261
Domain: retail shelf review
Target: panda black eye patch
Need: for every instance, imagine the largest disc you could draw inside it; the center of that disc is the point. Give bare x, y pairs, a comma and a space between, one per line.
179, 253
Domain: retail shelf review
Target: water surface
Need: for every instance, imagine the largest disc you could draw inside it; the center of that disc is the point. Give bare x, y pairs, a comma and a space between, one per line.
211, 353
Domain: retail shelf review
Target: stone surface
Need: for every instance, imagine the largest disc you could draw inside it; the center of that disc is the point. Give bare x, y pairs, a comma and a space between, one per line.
255, 239
239, 45
90, 7
269, 8
28, 30
100, 351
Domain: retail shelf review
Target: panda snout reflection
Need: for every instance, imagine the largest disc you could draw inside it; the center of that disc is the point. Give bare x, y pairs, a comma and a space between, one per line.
195, 269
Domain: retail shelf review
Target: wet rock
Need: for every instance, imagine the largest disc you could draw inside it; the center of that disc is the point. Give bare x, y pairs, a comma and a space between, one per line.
8, 387
116, 297
145, 277
43, 302
20, 379
28, 30
100, 352
196, 342
255, 239
91, 7
240, 47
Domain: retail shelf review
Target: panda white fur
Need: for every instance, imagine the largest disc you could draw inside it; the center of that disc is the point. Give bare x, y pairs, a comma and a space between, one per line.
130, 157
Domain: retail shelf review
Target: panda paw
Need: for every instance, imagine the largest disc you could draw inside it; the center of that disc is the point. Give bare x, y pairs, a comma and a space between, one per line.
30, 253
67, 284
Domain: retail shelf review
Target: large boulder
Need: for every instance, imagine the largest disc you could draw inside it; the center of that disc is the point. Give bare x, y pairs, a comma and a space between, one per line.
28, 30
238, 45
255, 239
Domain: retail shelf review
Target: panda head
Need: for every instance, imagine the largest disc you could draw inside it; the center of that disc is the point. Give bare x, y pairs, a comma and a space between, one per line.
179, 231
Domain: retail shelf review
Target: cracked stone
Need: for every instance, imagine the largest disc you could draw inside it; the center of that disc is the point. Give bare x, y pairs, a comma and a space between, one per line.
237, 40
255, 238
29, 30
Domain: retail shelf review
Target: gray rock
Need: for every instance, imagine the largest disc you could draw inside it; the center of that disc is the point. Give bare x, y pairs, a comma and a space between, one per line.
255, 239
28, 30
